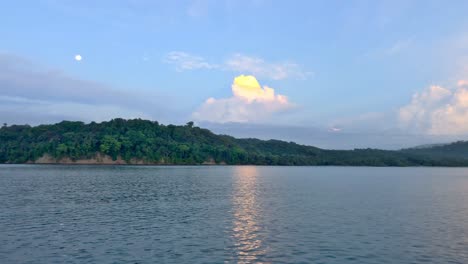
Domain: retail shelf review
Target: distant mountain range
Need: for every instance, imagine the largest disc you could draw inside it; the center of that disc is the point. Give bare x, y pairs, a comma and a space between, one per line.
137, 141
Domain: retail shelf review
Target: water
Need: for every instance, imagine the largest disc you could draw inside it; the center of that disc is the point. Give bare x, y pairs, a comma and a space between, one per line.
238, 214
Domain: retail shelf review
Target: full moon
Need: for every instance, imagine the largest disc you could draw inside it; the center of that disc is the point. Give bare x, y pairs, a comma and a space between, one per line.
78, 57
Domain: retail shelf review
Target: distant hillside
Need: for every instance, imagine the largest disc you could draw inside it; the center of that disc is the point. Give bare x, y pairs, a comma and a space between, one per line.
458, 150
139, 141
426, 146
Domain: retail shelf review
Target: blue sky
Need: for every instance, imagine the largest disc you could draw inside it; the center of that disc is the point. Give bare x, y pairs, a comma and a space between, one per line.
353, 73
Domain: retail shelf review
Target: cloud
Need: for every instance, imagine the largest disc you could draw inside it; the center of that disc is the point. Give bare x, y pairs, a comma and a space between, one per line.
326, 138
23, 110
398, 46
29, 94
335, 129
239, 63
384, 122
261, 68
462, 83
437, 111
184, 61
198, 8
250, 102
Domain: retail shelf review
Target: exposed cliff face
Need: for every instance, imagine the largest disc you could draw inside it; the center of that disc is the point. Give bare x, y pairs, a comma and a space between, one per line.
98, 159
209, 162
101, 159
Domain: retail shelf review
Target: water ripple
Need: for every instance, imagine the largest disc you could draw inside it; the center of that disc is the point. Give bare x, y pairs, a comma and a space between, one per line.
232, 214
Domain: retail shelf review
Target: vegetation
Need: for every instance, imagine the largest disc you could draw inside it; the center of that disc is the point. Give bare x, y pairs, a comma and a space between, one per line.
153, 143
456, 150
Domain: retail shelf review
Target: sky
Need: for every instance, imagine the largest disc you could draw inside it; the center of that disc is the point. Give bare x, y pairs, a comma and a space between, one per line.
333, 74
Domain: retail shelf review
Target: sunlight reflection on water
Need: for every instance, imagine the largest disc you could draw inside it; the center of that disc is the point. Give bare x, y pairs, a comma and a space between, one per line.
246, 230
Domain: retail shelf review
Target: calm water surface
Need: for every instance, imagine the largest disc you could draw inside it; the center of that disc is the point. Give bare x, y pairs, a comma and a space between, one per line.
238, 214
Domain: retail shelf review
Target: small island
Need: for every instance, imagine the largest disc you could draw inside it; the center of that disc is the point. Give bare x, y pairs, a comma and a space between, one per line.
144, 142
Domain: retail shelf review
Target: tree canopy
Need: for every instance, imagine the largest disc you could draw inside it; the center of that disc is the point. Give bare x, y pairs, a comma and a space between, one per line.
152, 143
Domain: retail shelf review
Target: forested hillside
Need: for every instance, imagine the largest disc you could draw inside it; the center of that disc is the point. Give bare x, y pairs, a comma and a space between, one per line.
457, 150
148, 142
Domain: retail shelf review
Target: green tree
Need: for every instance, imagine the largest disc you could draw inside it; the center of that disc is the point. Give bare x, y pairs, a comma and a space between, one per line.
110, 146
62, 150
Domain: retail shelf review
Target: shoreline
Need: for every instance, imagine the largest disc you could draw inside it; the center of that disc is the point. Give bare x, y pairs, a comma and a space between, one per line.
221, 165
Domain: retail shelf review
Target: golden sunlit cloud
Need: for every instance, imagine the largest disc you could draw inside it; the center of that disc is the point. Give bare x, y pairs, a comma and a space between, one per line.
248, 88
250, 102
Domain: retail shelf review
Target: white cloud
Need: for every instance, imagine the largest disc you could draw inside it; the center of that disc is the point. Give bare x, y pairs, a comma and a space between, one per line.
258, 67
335, 129
399, 46
250, 102
241, 64
437, 111
396, 48
184, 61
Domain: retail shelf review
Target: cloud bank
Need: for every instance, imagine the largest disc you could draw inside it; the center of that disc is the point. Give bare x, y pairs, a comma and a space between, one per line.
250, 102
30, 95
239, 63
437, 111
